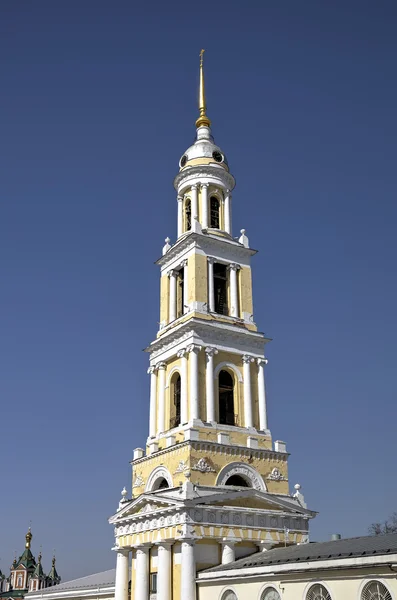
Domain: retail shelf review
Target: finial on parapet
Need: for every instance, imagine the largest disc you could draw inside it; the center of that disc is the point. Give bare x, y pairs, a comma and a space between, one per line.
124, 499
167, 245
243, 239
299, 496
203, 120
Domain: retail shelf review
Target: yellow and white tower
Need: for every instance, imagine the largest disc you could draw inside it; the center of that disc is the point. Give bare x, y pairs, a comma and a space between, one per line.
211, 486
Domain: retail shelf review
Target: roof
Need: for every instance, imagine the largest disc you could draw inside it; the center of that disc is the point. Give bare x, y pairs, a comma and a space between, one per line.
347, 548
105, 578
26, 559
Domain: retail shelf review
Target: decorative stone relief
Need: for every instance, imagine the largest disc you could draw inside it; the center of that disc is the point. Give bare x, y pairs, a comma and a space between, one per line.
276, 475
225, 518
182, 466
203, 466
138, 481
211, 517
250, 520
237, 519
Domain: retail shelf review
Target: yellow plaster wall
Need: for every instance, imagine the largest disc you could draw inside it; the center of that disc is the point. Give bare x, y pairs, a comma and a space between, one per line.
197, 278
164, 303
245, 290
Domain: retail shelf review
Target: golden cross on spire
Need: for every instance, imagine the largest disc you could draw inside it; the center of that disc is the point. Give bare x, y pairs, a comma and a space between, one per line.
203, 120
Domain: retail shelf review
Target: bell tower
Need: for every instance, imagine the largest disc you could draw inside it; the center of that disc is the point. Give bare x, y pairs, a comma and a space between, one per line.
210, 486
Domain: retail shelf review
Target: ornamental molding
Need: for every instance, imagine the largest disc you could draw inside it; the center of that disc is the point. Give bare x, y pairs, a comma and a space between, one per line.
246, 471
200, 171
204, 466
276, 475
138, 481
182, 466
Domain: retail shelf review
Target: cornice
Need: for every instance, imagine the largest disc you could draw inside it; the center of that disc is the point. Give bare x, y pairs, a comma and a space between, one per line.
200, 171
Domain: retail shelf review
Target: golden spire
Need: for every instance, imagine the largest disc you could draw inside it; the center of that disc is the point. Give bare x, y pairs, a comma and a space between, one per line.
203, 119
28, 538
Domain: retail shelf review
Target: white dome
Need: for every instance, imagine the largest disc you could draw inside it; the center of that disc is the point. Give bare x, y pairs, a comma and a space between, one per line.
204, 147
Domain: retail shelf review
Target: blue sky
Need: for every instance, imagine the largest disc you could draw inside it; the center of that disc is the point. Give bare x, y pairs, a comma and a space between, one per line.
98, 103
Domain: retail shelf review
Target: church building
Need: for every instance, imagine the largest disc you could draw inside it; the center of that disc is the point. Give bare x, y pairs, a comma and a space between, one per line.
211, 486
27, 575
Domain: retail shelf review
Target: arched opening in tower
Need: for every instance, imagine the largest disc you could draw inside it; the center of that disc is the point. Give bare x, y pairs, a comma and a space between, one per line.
226, 398
188, 215
214, 203
160, 484
176, 385
237, 480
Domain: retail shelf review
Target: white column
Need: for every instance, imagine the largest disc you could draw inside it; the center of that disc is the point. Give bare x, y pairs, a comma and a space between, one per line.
262, 393
122, 575
228, 212
188, 571
164, 572
211, 292
142, 574
180, 215
152, 410
161, 398
228, 552
172, 309
209, 383
194, 202
185, 307
194, 381
233, 268
204, 205
247, 360
182, 354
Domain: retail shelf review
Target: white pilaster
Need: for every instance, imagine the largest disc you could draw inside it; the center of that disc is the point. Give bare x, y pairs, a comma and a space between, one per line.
172, 308
262, 393
209, 382
161, 397
194, 202
153, 390
204, 205
228, 212
164, 572
228, 552
182, 354
211, 291
194, 381
180, 215
233, 268
247, 360
185, 307
122, 575
188, 571
142, 574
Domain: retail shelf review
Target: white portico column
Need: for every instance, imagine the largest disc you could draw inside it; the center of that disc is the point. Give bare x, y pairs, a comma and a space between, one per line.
142, 573
161, 397
194, 202
211, 290
164, 572
204, 205
233, 290
188, 571
180, 215
261, 362
247, 360
152, 410
185, 306
228, 212
182, 354
194, 381
173, 275
228, 552
122, 575
209, 382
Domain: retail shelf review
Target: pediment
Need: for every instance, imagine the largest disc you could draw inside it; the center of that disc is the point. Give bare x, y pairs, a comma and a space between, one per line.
144, 504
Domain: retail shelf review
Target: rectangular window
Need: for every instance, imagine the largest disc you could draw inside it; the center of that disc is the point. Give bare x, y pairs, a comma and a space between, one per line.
220, 289
153, 583
19, 581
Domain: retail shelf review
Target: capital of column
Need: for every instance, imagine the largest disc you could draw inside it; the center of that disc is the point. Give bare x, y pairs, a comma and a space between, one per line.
180, 198
173, 273
210, 259
152, 370
204, 185
164, 545
211, 351
181, 353
248, 359
142, 548
234, 267
184, 263
195, 186
161, 366
194, 348
261, 361
188, 541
